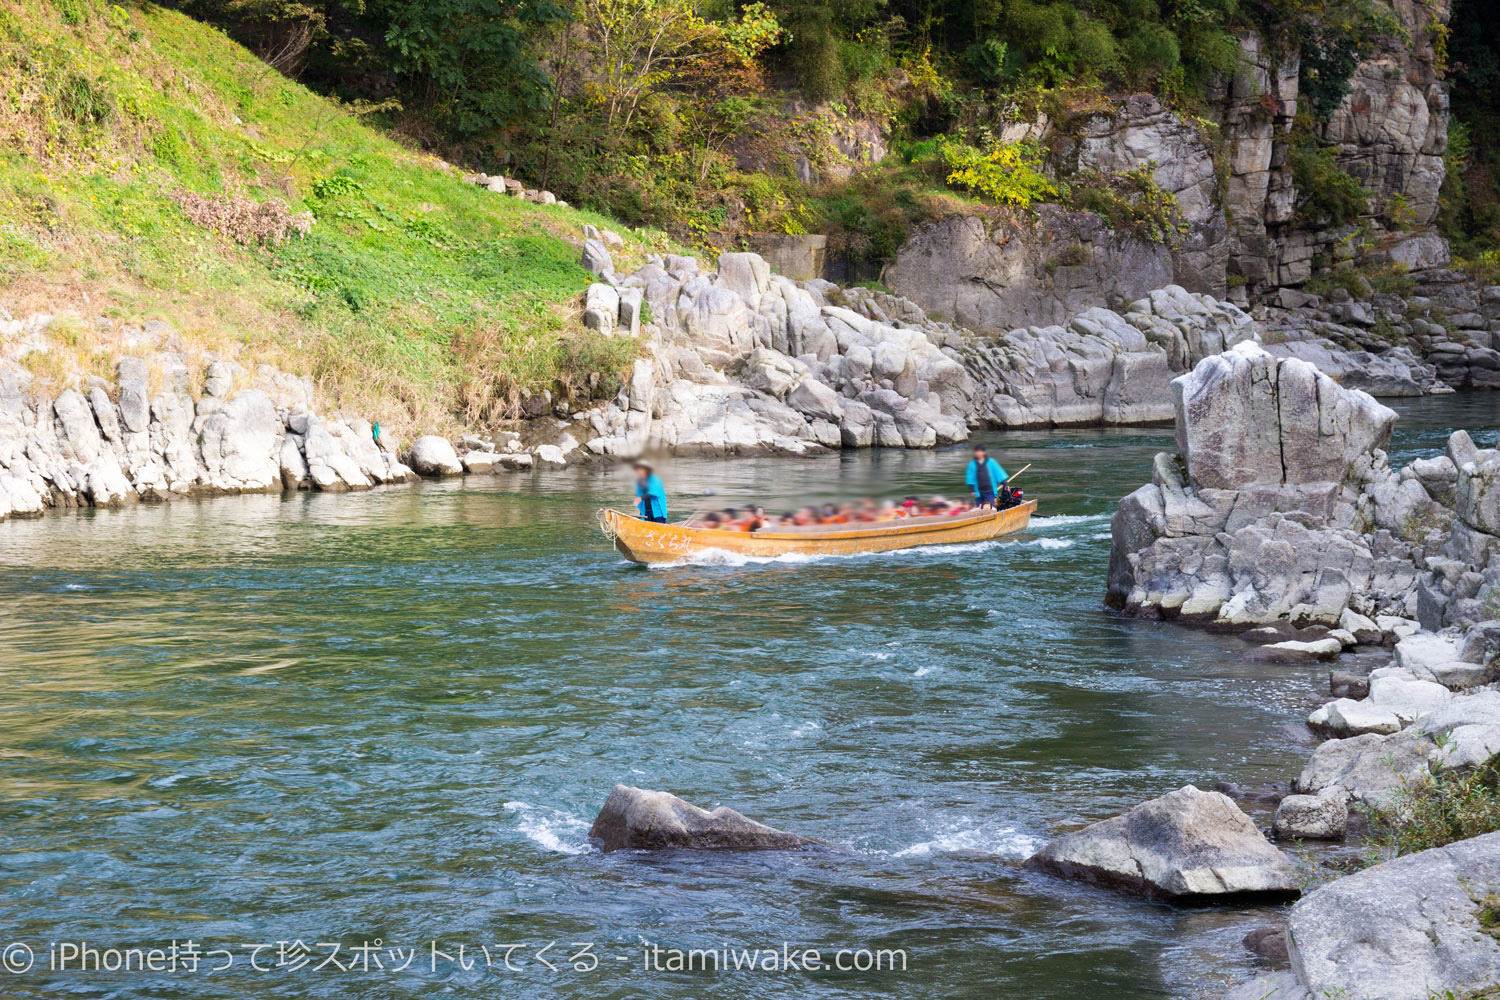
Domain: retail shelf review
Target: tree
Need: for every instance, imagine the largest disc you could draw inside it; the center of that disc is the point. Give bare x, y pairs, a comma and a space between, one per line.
474, 56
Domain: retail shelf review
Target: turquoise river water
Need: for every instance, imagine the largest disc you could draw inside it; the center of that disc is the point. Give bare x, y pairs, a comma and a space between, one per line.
262, 723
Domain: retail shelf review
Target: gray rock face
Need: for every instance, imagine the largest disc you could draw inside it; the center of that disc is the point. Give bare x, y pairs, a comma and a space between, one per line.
250, 431
1245, 417
1415, 927
992, 277
640, 819
1100, 366
434, 456
1281, 507
1478, 494
1188, 844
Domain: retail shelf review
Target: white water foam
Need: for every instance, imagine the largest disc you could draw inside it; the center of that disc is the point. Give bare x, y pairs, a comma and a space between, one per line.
924, 671
1050, 543
1005, 841
552, 829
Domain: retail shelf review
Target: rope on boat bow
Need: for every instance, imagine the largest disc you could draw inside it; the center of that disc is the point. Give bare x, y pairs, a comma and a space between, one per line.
607, 524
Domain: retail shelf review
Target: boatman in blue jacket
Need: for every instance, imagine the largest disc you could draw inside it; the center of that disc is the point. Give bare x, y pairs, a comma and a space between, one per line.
985, 476
651, 493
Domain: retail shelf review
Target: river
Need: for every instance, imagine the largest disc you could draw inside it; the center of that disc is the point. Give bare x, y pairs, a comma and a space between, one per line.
392, 716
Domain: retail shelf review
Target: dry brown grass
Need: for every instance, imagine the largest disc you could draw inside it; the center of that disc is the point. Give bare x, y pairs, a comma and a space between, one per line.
249, 223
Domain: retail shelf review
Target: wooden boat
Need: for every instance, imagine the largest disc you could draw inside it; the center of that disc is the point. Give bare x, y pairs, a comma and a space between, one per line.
645, 542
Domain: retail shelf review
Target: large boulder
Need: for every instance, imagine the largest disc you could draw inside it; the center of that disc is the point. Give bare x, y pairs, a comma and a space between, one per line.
641, 819
1417, 927
434, 456
1370, 768
1246, 417
1187, 845
1479, 494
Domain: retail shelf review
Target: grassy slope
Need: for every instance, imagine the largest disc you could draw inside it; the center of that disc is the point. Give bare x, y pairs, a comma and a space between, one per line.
414, 297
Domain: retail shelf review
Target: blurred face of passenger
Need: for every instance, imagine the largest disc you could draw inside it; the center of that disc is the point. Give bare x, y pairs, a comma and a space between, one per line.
642, 473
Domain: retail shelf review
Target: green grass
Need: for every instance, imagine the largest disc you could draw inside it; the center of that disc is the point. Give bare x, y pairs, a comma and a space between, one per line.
409, 285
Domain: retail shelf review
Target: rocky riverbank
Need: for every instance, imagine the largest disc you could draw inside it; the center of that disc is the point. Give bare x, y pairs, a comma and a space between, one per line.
1279, 510
746, 361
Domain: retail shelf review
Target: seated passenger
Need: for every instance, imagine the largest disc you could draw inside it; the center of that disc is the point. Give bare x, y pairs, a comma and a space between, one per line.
867, 511
805, 516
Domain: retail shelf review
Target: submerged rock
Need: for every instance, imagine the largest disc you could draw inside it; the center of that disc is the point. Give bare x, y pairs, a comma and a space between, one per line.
641, 819
1187, 844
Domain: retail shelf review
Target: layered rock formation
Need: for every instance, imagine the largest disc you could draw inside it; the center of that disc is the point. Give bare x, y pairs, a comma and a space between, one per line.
151, 434
173, 424
1280, 506
1233, 181
1100, 367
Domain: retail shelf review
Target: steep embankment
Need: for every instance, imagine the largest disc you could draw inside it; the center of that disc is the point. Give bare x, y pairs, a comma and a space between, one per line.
150, 168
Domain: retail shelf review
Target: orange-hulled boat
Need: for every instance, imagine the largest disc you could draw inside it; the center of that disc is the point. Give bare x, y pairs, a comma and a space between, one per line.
646, 542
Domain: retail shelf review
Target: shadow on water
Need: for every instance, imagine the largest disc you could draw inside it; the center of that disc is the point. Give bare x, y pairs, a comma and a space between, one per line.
393, 715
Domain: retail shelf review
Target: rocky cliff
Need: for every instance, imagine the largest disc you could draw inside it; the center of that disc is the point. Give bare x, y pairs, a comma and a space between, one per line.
1249, 231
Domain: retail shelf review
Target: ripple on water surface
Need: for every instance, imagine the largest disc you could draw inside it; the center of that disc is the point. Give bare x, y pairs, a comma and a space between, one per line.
395, 714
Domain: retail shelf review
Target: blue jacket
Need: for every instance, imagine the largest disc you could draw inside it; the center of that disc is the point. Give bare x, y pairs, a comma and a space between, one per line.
653, 497
997, 475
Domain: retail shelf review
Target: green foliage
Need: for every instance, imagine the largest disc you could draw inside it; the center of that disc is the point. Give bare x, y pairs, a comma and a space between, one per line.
1326, 193
1335, 36
1361, 280
1131, 203
474, 52
160, 172
1439, 810
1469, 204
1006, 173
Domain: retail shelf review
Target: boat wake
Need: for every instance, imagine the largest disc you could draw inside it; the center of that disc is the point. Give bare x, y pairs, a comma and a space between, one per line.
1066, 520
722, 557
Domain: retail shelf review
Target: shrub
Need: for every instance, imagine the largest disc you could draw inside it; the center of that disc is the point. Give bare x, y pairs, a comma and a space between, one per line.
1131, 203
1009, 173
1438, 811
248, 223
1326, 192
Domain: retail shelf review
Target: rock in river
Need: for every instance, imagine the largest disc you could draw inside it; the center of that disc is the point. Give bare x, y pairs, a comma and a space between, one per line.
1187, 844
434, 456
642, 819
